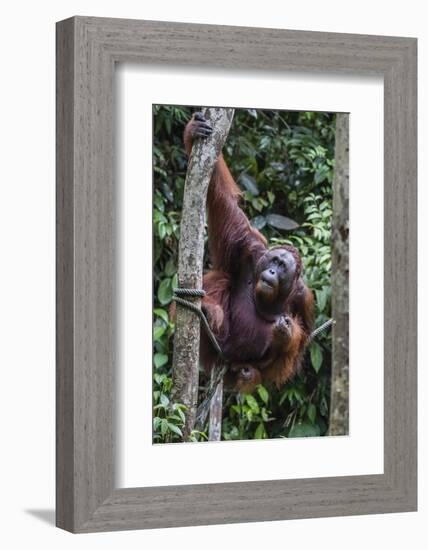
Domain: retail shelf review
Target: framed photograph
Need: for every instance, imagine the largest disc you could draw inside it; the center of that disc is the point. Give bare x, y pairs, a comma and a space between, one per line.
269, 260
258, 364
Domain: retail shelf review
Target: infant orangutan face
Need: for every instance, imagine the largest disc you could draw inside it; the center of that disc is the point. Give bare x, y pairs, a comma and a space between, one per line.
245, 377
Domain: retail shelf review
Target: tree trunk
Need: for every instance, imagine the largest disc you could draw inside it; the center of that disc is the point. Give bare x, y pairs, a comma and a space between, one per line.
185, 366
339, 404
216, 411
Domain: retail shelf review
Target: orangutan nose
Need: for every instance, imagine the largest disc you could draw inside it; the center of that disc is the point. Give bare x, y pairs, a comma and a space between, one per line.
269, 276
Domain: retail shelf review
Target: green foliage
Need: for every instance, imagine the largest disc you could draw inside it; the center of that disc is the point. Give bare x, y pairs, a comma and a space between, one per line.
283, 162
248, 416
168, 419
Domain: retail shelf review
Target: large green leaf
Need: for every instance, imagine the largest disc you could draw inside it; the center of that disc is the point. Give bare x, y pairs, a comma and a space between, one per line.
175, 429
316, 356
158, 333
249, 183
322, 296
281, 222
252, 403
264, 395
162, 314
165, 292
312, 411
160, 360
260, 431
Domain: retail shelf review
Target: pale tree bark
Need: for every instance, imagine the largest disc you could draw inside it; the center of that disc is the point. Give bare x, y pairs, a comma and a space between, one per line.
204, 154
216, 412
339, 404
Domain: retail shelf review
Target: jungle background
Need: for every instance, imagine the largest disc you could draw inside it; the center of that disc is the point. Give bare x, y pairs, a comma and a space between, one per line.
283, 161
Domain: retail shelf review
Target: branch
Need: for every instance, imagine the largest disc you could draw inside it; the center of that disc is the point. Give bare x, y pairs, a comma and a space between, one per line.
185, 366
216, 413
339, 402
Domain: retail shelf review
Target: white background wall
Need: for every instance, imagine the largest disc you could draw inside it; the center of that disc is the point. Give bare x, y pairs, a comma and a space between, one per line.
27, 272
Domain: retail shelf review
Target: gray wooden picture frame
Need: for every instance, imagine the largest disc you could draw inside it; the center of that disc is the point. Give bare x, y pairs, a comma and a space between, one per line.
87, 50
